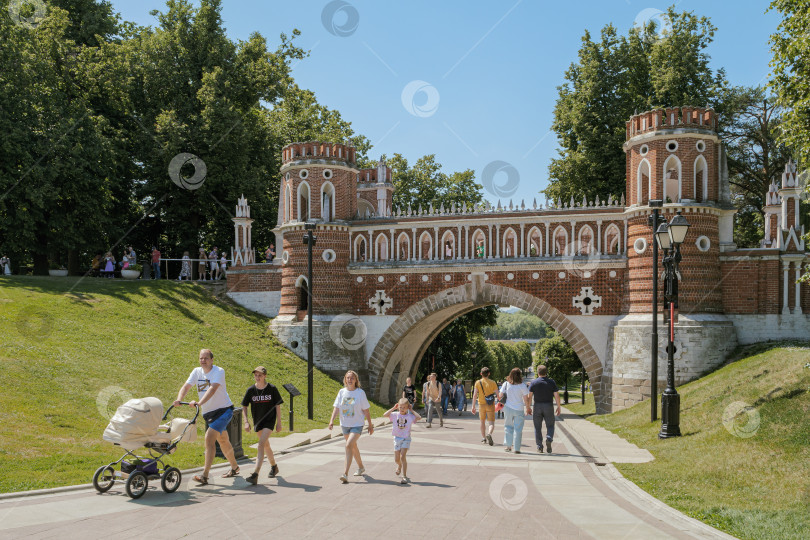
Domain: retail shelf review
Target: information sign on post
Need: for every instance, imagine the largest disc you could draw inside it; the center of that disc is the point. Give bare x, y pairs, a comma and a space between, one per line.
289, 387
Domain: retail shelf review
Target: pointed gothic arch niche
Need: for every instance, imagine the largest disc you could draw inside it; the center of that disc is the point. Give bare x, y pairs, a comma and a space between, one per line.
364, 208
399, 350
381, 247
303, 202
327, 201
613, 240
403, 247
360, 249
287, 204
510, 243
560, 241
701, 184
643, 182
585, 241
479, 244
425, 246
535, 242
672, 180
448, 250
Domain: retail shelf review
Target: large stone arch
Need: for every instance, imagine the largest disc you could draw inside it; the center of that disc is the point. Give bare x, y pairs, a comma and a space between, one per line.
406, 340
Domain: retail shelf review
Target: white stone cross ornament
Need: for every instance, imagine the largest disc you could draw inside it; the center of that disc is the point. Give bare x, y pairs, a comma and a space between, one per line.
587, 301
380, 302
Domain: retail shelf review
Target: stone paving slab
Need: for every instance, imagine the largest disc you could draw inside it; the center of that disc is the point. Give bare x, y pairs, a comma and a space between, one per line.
470, 490
603, 443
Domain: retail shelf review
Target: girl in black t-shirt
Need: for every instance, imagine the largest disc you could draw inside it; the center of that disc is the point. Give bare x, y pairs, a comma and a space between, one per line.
265, 406
409, 391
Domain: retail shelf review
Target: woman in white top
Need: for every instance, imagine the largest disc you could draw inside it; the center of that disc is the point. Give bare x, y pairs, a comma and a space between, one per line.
353, 407
517, 401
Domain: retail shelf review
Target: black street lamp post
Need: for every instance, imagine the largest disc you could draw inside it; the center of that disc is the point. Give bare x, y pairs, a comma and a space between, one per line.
654, 221
309, 241
671, 237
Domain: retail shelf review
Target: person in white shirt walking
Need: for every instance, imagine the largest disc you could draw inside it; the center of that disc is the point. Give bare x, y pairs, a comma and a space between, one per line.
217, 410
353, 406
515, 409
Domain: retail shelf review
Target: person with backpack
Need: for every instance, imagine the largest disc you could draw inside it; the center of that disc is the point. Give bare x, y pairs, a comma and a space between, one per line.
517, 401
484, 395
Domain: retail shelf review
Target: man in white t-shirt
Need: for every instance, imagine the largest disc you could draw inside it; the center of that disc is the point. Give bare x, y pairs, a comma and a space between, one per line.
217, 410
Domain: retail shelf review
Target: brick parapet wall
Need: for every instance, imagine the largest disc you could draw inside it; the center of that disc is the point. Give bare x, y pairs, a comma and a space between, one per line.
254, 278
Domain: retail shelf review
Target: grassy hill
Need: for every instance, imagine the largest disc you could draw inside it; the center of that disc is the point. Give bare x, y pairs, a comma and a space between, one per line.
743, 462
75, 349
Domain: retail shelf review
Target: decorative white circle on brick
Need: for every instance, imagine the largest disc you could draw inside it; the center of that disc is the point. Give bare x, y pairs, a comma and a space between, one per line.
403, 279
536, 276
703, 243
640, 245
448, 277
586, 274
329, 255
327, 173
380, 279
303, 173
672, 145
285, 257
644, 150
700, 146
510, 276
359, 279
612, 273
561, 275
424, 278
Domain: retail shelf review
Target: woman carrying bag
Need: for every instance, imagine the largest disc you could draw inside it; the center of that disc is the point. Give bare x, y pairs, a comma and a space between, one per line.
515, 397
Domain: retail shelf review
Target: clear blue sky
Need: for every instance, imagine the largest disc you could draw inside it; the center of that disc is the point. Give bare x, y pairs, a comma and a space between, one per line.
492, 67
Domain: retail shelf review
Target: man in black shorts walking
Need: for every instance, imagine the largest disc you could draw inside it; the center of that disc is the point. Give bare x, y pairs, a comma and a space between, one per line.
265, 406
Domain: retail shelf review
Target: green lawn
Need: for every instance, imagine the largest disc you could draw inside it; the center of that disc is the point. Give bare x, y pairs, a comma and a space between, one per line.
754, 483
74, 349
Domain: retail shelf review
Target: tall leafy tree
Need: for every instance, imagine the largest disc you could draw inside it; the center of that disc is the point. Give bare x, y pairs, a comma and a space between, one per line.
615, 76
559, 357
425, 183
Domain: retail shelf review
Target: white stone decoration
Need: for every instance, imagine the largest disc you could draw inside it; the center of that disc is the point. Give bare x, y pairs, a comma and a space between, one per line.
644, 150
640, 245
303, 174
587, 301
586, 274
612, 273
700, 146
285, 257
672, 145
403, 279
510, 276
380, 279
703, 243
536, 275
327, 173
561, 275
424, 278
380, 302
329, 255
359, 279
448, 277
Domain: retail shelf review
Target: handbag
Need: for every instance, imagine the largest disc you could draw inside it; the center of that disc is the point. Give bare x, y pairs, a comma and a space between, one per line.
490, 399
502, 401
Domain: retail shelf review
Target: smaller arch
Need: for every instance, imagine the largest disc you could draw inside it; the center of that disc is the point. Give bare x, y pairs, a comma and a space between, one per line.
585, 240
327, 201
479, 244
381, 248
700, 187
360, 249
302, 293
535, 242
303, 201
403, 247
560, 242
364, 208
510, 243
672, 179
425, 246
287, 203
448, 245
643, 177
613, 240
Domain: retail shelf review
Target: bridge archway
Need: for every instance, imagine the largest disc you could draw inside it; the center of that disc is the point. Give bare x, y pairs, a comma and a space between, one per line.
397, 353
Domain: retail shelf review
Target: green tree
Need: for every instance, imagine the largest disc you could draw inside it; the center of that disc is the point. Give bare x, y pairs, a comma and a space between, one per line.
518, 325
613, 77
558, 357
425, 183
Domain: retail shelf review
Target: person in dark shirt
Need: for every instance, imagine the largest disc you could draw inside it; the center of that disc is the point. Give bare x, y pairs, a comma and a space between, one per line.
544, 390
265, 406
409, 391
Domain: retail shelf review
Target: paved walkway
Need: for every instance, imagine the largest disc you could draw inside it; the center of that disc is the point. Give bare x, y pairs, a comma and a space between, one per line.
460, 488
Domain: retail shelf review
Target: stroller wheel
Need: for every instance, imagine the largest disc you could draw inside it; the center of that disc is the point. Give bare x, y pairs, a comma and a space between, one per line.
137, 484
170, 480
104, 478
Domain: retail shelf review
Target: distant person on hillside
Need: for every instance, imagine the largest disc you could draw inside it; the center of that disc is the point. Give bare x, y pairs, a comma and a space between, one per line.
515, 409
223, 265
124, 260
217, 411
213, 263
155, 263
202, 265
353, 406
133, 258
185, 269
485, 393
409, 391
5, 265
434, 400
109, 265
402, 417
95, 265
265, 406
544, 390
270, 253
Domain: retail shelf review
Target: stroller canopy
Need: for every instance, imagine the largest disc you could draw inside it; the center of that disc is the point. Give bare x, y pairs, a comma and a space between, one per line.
135, 423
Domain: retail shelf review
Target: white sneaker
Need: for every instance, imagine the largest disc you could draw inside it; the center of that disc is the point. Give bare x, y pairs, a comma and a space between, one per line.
344, 479
360, 472
405, 480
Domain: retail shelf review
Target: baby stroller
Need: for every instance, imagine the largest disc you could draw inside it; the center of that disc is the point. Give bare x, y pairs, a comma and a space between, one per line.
136, 424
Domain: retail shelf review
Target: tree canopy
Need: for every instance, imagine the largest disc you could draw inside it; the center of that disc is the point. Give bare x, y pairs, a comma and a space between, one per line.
518, 325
